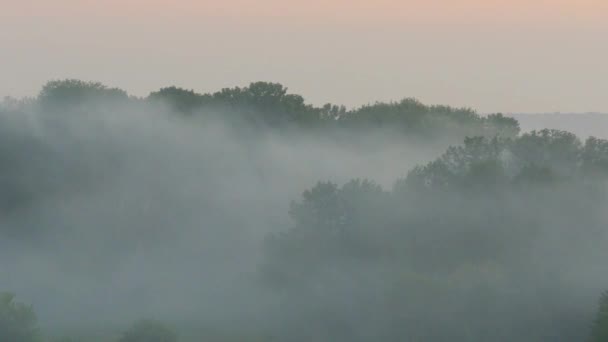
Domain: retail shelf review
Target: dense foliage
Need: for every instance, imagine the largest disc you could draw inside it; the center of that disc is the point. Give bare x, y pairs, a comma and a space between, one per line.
265, 104
493, 240
468, 230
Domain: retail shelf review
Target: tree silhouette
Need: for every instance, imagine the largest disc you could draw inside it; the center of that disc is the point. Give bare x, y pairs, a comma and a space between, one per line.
17, 320
599, 332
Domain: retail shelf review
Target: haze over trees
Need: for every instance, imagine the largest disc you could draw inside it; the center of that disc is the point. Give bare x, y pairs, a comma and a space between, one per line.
469, 229
17, 320
271, 105
250, 215
583, 125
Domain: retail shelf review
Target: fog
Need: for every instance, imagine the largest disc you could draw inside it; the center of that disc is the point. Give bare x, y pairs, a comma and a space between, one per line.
132, 213
113, 211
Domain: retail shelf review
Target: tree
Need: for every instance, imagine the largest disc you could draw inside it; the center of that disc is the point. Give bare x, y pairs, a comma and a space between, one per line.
182, 100
500, 125
558, 150
17, 320
412, 117
62, 94
599, 332
463, 229
595, 158
149, 331
267, 103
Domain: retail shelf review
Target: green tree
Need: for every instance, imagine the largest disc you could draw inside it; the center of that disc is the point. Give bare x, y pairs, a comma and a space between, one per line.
17, 320
182, 100
267, 103
149, 331
599, 332
500, 125
595, 158
68, 93
558, 150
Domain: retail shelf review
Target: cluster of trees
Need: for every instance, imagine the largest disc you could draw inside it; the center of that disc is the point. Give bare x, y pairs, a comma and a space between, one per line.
538, 156
17, 320
18, 324
266, 104
493, 231
483, 243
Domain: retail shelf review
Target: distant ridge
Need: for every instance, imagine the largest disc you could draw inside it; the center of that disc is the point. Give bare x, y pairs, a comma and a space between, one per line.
582, 124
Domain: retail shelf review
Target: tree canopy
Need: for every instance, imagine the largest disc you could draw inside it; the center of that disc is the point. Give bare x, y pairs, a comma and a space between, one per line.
478, 243
470, 223
149, 331
267, 104
17, 320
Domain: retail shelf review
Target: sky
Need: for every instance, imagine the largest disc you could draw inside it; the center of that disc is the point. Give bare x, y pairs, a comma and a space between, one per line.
490, 55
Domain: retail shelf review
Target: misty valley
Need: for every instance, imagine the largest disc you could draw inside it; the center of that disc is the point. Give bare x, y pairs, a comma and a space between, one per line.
248, 214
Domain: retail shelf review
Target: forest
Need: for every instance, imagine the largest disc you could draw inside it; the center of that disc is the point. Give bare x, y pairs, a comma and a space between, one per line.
248, 214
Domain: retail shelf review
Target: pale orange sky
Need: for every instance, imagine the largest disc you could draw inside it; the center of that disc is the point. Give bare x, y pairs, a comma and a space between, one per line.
510, 56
